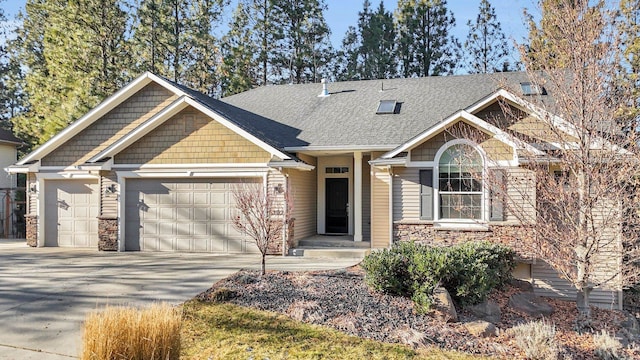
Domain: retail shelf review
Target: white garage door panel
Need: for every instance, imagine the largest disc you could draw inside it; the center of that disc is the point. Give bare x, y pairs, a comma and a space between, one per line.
183, 215
71, 213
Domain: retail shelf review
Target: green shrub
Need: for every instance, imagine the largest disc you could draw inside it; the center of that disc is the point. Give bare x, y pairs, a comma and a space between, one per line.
468, 271
476, 268
387, 270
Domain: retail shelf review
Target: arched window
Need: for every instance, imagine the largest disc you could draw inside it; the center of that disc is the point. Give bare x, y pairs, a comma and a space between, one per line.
460, 174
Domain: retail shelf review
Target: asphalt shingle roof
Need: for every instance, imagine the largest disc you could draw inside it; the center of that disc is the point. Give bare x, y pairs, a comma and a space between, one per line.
294, 115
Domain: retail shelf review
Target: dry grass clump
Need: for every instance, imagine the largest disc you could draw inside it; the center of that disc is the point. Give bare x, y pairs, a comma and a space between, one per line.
608, 347
134, 334
410, 336
305, 310
536, 339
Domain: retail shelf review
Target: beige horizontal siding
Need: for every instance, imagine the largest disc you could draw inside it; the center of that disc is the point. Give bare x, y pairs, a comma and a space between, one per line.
380, 232
32, 198
192, 137
108, 201
406, 194
303, 186
547, 282
366, 199
112, 126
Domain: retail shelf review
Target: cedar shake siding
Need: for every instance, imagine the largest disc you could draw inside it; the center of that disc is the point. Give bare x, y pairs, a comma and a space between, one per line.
191, 137
111, 127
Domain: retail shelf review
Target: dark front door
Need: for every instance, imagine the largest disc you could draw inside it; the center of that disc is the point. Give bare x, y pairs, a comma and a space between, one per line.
337, 198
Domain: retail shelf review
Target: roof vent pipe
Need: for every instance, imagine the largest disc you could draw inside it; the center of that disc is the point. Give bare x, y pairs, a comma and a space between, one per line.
325, 89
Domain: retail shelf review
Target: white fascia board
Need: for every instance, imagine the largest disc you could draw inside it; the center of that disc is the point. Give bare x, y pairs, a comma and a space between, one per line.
498, 134
340, 148
291, 165
97, 112
220, 173
424, 135
238, 130
23, 169
143, 129
389, 162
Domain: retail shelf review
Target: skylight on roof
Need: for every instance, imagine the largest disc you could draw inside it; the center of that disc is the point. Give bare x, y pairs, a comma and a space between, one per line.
529, 88
387, 107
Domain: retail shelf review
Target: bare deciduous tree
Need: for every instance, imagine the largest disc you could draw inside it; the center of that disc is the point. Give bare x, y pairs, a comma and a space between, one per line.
586, 197
262, 215
577, 193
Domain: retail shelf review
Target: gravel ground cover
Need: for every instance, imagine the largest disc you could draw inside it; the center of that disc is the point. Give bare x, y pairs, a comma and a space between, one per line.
341, 299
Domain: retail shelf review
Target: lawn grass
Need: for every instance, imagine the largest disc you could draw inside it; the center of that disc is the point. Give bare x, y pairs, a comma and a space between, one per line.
225, 331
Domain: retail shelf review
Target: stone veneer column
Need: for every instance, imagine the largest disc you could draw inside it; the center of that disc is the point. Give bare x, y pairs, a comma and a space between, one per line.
32, 230
107, 233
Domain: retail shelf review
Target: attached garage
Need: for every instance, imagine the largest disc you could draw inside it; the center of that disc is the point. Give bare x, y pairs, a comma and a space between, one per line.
191, 215
71, 213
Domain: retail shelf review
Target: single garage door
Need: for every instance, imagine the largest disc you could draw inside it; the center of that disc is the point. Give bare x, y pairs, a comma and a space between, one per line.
182, 215
71, 213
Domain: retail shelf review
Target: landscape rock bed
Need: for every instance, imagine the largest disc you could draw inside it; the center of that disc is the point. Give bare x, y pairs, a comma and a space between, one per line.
341, 299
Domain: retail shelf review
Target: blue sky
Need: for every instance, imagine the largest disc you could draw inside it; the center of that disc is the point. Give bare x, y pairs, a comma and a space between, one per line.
343, 13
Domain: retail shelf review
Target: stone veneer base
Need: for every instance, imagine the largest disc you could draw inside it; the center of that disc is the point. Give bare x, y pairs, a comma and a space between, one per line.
107, 234
32, 230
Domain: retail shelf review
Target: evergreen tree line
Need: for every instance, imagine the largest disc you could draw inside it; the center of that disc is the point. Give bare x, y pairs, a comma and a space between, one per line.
65, 56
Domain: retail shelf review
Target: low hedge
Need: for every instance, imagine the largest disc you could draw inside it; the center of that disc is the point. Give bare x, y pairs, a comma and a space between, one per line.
468, 271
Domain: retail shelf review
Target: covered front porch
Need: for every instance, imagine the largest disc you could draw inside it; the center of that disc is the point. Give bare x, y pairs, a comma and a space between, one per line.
342, 198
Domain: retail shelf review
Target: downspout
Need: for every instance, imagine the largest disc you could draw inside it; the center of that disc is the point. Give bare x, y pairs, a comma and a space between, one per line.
389, 169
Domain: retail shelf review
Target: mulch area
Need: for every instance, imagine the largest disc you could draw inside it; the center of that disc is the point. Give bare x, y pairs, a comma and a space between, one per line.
340, 299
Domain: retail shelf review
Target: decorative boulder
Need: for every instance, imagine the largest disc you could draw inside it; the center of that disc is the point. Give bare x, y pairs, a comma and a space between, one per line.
481, 328
488, 311
443, 307
530, 304
522, 285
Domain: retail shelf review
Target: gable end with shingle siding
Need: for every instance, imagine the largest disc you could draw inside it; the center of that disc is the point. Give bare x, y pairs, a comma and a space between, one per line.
110, 127
191, 137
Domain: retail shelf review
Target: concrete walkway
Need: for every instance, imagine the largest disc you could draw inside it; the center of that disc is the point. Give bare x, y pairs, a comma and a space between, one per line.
45, 293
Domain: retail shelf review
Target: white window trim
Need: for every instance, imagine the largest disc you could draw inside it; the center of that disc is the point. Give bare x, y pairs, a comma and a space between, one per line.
459, 223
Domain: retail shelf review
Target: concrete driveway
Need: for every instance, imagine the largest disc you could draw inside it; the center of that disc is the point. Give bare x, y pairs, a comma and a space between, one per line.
45, 293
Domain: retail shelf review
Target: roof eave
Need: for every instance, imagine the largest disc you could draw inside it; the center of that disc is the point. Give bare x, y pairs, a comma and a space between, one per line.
290, 164
32, 167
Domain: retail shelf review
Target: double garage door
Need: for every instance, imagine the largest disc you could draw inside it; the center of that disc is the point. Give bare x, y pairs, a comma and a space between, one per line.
182, 215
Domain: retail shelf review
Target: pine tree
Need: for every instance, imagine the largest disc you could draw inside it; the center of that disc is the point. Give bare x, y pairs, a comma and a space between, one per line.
149, 37
11, 97
346, 66
486, 46
239, 63
69, 66
304, 49
629, 29
378, 43
425, 46
202, 54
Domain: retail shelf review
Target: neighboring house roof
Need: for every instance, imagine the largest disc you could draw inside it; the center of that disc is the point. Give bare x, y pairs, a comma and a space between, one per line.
347, 117
7, 136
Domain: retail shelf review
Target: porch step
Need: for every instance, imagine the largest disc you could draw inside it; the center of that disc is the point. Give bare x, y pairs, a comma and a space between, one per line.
332, 253
328, 242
